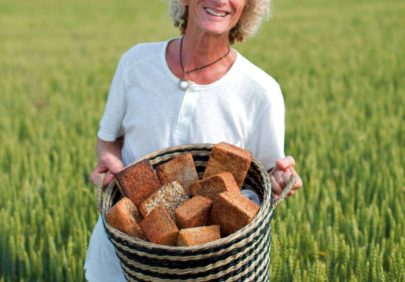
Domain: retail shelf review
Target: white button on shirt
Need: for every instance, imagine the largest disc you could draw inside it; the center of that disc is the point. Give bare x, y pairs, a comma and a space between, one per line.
154, 110
188, 107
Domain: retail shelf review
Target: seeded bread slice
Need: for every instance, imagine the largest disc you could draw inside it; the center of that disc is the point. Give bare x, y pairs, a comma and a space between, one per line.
170, 196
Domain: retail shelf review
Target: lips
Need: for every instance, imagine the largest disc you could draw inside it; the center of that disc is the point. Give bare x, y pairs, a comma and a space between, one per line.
216, 13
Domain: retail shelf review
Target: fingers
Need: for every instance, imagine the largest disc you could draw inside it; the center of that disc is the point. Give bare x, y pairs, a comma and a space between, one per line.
275, 186
285, 163
280, 178
108, 169
116, 167
108, 178
108, 165
111, 162
286, 176
95, 175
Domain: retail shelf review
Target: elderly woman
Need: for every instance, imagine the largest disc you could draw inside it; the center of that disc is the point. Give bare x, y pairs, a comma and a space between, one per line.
192, 89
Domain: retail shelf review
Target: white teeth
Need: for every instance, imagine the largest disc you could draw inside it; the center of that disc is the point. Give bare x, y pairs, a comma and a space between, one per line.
215, 13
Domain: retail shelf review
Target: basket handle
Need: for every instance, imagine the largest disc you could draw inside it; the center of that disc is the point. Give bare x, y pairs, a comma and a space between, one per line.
99, 190
288, 187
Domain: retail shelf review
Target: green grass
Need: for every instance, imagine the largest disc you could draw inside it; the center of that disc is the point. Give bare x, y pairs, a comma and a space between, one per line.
341, 68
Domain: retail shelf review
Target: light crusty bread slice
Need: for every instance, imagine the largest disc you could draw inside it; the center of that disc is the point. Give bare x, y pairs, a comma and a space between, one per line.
124, 216
228, 157
198, 235
194, 212
159, 228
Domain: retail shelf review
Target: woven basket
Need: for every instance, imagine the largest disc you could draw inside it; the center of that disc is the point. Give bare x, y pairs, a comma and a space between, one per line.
241, 256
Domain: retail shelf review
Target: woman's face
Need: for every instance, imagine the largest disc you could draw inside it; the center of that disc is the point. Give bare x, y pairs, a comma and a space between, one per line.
215, 17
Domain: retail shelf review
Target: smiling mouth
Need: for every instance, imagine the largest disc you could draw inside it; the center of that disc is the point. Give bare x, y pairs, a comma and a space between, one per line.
216, 13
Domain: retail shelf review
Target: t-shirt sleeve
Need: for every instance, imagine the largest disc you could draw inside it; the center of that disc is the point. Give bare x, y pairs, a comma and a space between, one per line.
111, 121
267, 139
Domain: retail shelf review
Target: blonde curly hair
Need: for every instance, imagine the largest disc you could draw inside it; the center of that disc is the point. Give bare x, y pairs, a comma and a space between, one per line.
252, 15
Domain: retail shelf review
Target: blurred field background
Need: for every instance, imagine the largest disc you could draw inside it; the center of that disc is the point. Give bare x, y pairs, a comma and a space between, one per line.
341, 68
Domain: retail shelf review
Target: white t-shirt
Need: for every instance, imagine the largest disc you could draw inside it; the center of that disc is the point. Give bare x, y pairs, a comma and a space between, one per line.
147, 105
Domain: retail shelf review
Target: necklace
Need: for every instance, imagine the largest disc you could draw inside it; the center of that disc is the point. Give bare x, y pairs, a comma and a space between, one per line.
201, 67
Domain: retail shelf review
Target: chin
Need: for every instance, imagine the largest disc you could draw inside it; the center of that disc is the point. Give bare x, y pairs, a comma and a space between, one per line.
215, 29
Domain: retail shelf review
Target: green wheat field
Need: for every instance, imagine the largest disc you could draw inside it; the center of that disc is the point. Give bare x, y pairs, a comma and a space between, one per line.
341, 66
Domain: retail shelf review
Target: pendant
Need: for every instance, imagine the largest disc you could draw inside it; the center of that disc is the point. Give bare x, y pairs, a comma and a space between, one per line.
184, 84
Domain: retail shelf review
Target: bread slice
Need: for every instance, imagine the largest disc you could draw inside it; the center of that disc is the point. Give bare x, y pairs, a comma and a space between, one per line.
228, 157
138, 181
124, 216
194, 212
232, 211
181, 169
170, 196
211, 186
159, 228
198, 235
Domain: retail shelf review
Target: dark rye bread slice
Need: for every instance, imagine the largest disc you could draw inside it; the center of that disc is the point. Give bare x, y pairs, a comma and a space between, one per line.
230, 158
138, 181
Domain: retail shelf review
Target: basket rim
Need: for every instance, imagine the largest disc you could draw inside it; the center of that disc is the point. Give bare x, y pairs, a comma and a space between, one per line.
266, 205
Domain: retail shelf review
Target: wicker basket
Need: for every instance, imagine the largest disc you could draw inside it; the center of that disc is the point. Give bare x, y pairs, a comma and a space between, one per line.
241, 256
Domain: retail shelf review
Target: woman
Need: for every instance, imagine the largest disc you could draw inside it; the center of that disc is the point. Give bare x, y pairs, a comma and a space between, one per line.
193, 89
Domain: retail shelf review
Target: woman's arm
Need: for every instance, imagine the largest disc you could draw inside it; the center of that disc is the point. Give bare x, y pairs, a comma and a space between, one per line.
109, 160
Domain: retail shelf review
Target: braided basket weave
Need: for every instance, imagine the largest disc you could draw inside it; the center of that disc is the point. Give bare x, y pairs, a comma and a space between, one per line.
241, 256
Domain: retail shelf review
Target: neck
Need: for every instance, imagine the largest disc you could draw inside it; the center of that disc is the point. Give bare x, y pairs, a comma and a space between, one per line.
202, 49
198, 51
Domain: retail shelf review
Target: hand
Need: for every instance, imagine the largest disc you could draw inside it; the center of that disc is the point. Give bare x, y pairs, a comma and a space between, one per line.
280, 175
109, 165
109, 161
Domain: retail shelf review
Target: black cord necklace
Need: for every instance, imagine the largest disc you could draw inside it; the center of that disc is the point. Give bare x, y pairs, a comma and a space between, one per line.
202, 67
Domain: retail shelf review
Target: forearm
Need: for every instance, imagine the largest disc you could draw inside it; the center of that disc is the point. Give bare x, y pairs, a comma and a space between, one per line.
105, 149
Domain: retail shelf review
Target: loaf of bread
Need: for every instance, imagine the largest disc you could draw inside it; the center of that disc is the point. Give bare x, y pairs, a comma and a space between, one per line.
198, 235
138, 181
181, 169
194, 212
124, 216
232, 211
211, 186
227, 157
159, 228
170, 196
